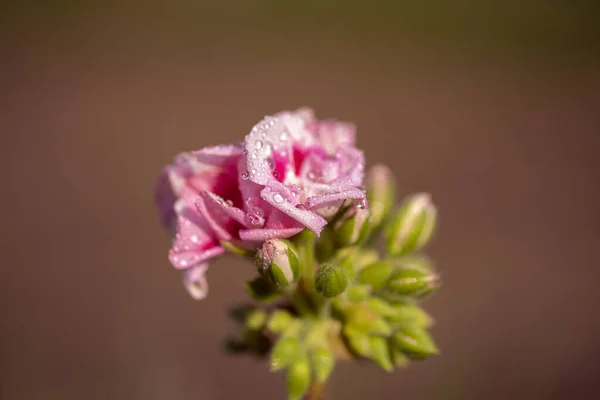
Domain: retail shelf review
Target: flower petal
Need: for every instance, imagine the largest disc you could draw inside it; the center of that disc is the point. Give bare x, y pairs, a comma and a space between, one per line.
195, 282
260, 235
222, 218
193, 243
287, 200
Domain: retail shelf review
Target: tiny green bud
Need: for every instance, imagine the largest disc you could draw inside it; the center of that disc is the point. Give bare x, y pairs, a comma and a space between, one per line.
410, 315
354, 227
380, 307
331, 280
278, 261
380, 327
358, 341
415, 342
380, 352
298, 378
256, 319
360, 318
323, 361
399, 358
358, 292
279, 321
412, 226
364, 257
381, 191
376, 274
412, 282
286, 350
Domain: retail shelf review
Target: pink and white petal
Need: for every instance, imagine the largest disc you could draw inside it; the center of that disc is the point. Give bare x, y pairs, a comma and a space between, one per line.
283, 199
193, 244
333, 134
194, 280
331, 198
165, 197
260, 235
222, 218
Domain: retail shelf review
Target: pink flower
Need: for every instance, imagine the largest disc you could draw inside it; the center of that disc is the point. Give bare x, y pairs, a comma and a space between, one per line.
291, 172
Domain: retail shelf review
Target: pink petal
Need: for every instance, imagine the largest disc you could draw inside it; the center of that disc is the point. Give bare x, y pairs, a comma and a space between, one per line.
260, 235
195, 282
333, 134
284, 199
193, 243
222, 218
330, 198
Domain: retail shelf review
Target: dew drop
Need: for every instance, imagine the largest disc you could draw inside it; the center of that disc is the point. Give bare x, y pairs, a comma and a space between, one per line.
194, 238
277, 198
268, 148
245, 152
276, 175
253, 156
258, 144
283, 137
271, 163
229, 203
253, 171
363, 204
311, 176
301, 207
245, 176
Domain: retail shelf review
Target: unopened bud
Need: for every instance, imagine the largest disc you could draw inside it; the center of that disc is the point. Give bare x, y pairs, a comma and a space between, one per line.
380, 352
376, 274
412, 226
256, 319
354, 227
381, 191
380, 307
278, 260
279, 321
413, 282
358, 341
323, 361
415, 342
410, 315
331, 280
286, 350
358, 293
298, 378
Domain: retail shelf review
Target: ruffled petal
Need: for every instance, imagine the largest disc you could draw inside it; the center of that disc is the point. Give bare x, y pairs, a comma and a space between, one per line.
194, 280
333, 134
260, 235
286, 200
222, 217
193, 243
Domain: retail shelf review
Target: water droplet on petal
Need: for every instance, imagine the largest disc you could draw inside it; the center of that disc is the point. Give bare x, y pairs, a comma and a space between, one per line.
271, 163
258, 144
283, 136
245, 152
253, 171
268, 148
363, 204
253, 156
277, 198
245, 176
276, 175
301, 207
194, 238
229, 203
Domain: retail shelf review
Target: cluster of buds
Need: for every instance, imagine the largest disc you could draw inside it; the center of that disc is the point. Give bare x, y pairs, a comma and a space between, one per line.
352, 293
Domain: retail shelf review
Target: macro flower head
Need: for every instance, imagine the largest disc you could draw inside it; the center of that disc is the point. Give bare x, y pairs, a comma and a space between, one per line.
291, 172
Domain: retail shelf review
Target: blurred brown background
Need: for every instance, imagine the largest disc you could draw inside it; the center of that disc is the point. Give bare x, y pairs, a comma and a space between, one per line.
491, 106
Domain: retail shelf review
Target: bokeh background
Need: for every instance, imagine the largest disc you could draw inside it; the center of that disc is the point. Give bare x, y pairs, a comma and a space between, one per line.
492, 106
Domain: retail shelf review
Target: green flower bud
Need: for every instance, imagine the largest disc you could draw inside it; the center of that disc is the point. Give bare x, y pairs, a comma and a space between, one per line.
413, 282
285, 351
380, 327
412, 226
354, 226
364, 257
398, 357
380, 307
358, 293
357, 341
380, 352
415, 342
323, 361
331, 280
256, 319
298, 378
278, 261
381, 191
360, 318
376, 274
279, 321
410, 315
